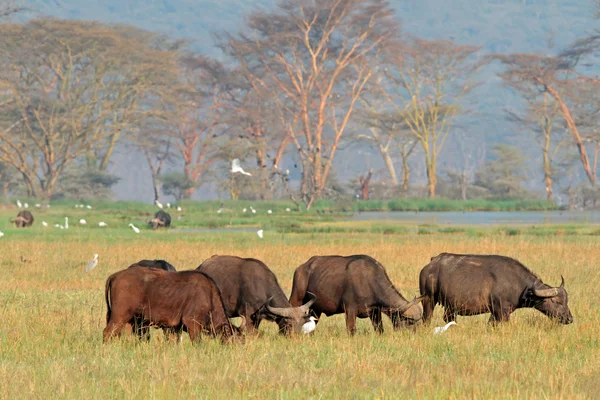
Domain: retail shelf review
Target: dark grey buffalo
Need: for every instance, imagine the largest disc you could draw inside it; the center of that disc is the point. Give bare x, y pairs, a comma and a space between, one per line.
355, 285
24, 219
476, 284
250, 290
160, 264
162, 219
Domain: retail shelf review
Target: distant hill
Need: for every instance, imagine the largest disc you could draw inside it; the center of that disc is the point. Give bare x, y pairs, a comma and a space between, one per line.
503, 26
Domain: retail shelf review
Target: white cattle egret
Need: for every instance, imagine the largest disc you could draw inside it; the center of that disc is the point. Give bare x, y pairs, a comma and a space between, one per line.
44, 223
82, 221
92, 264
441, 329
236, 167
38, 205
25, 205
309, 326
158, 204
168, 205
66, 222
1, 233
287, 171
19, 204
61, 227
47, 205
260, 233
135, 228
56, 225
269, 212
102, 224
219, 211
244, 210
179, 208
88, 207
253, 211
288, 209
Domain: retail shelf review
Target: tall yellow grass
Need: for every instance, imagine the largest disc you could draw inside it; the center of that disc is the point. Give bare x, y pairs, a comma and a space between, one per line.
52, 315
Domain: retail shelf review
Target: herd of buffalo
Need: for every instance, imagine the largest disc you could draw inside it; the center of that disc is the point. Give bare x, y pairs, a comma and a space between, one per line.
151, 293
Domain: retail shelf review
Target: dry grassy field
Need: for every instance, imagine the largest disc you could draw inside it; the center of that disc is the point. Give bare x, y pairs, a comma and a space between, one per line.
52, 315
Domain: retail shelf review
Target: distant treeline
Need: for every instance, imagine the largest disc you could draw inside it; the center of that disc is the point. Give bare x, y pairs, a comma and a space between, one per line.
297, 82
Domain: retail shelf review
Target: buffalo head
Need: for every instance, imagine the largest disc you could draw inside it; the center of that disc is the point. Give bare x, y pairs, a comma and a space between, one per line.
289, 319
554, 302
409, 314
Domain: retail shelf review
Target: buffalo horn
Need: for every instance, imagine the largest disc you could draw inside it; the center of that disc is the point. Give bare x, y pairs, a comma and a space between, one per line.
551, 292
414, 302
562, 281
305, 307
281, 311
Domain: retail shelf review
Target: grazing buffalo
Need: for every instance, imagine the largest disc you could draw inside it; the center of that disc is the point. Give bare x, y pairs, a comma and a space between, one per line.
160, 264
250, 289
161, 219
355, 285
24, 219
143, 297
477, 284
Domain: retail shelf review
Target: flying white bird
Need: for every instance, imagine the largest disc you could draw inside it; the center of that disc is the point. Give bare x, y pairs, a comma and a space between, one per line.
1, 233
92, 264
82, 221
441, 329
102, 224
135, 228
269, 212
259, 233
19, 204
25, 205
287, 171
309, 326
158, 204
236, 167
66, 222
244, 210
88, 207
44, 223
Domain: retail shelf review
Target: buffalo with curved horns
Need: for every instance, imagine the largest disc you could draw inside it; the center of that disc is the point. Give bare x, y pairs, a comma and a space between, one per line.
467, 284
250, 289
162, 219
356, 285
160, 264
24, 219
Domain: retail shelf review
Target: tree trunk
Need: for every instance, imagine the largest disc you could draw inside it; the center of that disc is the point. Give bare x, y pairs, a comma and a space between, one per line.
389, 164
463, 185
187, 194
574, 132
431, 178
548, 175
405, 174
114, 138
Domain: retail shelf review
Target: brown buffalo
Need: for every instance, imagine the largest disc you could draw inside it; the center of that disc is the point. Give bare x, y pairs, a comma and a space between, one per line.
187, 300
467, 284
24, 219
355, 285
250, 289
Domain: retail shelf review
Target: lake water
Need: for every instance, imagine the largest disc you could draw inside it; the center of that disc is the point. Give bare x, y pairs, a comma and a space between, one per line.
484, 217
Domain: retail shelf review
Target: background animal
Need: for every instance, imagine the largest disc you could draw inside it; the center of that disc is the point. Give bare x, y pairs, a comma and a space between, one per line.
24, 219
250, 289
357, 286
187, 300
161, 219
467, 284
160, 264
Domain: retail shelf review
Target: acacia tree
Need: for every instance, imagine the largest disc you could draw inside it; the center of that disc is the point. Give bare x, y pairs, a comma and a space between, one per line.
314, 61
72, 86
430, 78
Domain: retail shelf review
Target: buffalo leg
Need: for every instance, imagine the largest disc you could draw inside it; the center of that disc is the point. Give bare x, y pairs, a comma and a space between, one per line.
193, 329
141, 329
428, 307
449, 314
112, 329
375, 316
500, 312
351, 321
